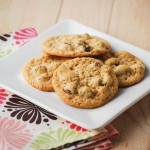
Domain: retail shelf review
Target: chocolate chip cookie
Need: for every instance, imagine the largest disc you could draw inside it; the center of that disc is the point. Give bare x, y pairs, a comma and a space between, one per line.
128, 68
38, 71
75, 45
85, 82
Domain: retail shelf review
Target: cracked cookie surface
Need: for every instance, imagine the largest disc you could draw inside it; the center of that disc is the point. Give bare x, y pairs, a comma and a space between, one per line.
75, 45
128, 68
85, 82
38, 71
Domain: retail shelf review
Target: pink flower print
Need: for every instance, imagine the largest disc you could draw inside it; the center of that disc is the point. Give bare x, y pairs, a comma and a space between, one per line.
3, 95
76, 127
24, 36
13, 134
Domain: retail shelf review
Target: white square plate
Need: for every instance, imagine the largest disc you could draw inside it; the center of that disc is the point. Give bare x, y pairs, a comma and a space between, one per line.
12, 80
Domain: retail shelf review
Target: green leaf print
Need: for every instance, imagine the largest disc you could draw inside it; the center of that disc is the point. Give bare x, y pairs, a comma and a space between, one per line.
8, 51
4, 53
1, 56
56, 138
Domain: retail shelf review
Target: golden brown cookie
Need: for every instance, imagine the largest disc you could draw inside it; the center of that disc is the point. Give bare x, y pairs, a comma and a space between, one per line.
128, 68
38, 71
75, 45
85, 82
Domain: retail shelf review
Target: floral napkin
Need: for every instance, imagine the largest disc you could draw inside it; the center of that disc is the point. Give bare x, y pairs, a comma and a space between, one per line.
26, 126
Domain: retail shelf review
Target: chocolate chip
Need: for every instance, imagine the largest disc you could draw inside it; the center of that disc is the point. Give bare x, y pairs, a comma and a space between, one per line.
67, 43
68, 91
87, 48
117, 64
101, 83
97, 64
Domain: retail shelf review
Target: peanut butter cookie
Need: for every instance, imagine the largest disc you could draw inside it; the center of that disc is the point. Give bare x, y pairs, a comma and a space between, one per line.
128, 68
38, 71
85, 82
75, 45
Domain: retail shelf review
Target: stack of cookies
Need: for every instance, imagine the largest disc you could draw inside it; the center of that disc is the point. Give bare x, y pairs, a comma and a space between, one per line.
82, 70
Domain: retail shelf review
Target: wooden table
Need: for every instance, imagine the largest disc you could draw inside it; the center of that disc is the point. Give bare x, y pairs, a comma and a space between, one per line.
124, 19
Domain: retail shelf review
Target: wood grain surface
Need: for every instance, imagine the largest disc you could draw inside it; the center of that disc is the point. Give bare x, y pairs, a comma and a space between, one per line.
124, 19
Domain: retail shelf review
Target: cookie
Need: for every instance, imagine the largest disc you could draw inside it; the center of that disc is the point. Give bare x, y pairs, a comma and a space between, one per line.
85, 82
38, 71
128, 68
75, 45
